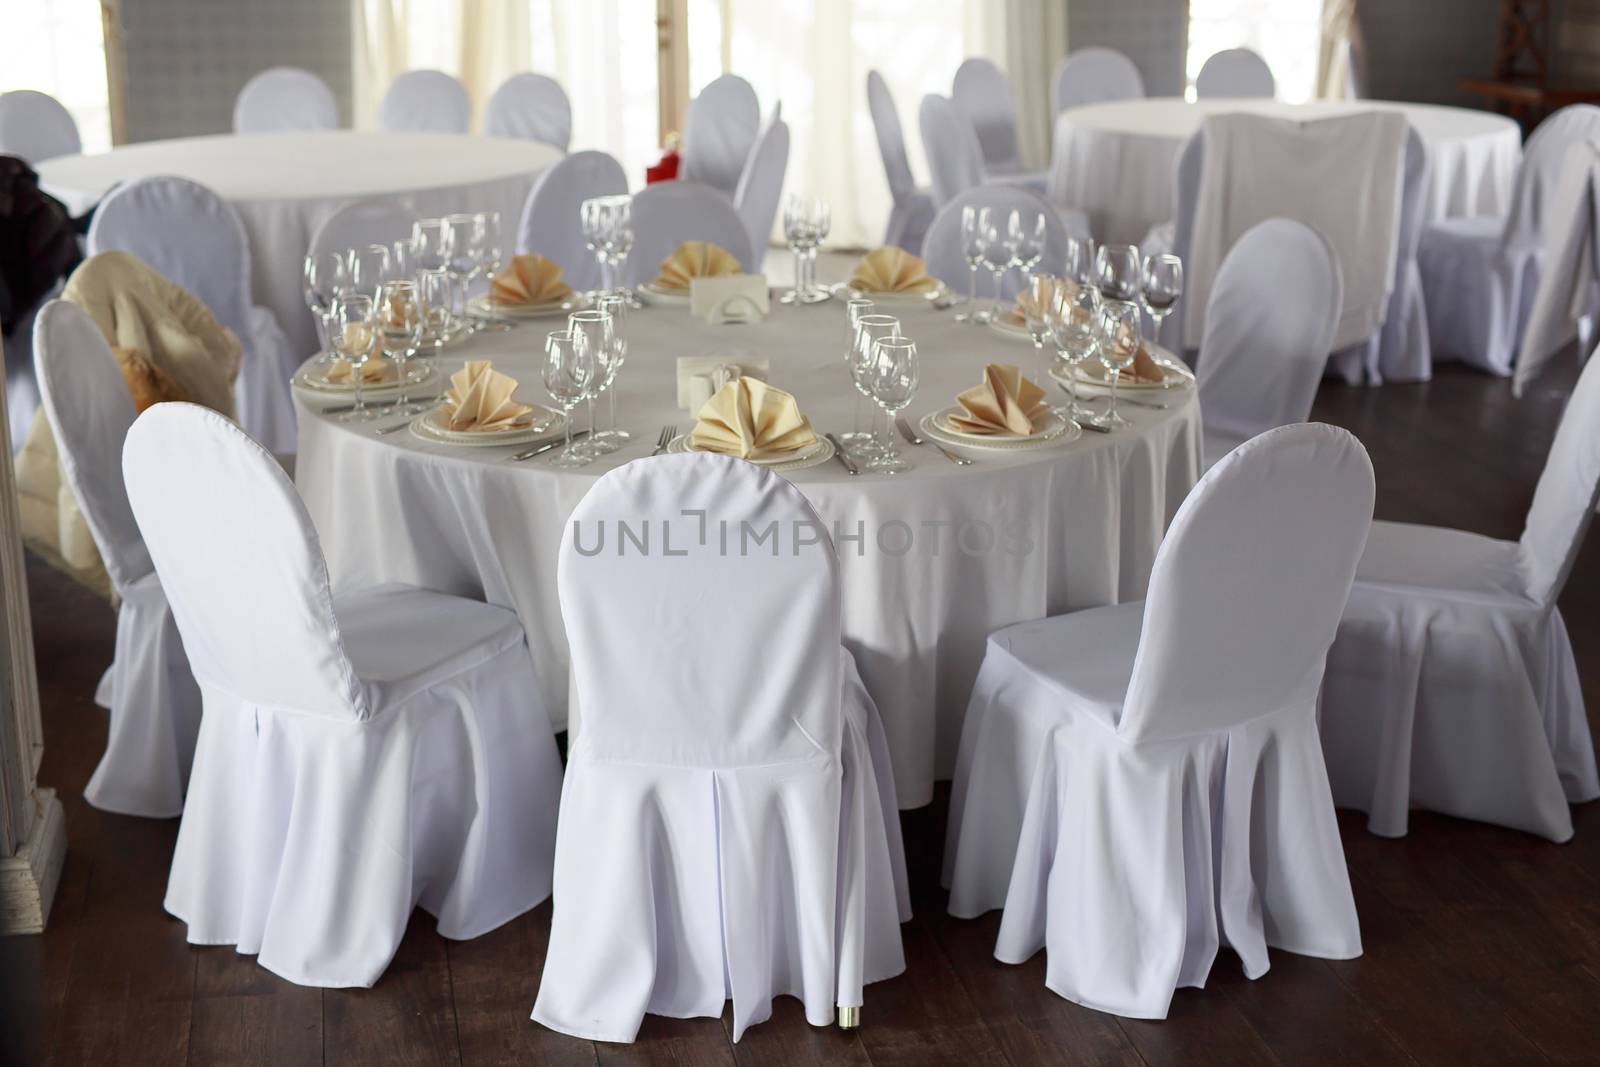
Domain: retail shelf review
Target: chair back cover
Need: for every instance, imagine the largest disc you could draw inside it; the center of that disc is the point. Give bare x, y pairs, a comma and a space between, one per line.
719, 132
1404, 350
35, 127
240, 563
891, 138
361, 223
955, 160
761, 184
87, 401
285, 98
1235, 72
1094, 76
981, 92
1268, 326
189, 235
532, 107
1569, 273
700, 596
667, 214
425, 101
941, 248
1249, 584
1568, 491
551, 223
1535, 191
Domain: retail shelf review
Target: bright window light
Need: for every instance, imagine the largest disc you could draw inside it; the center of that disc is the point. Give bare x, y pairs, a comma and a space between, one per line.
58, 47
1286, 33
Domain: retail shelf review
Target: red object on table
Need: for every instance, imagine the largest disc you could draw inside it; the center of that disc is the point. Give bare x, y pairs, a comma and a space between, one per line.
665, 168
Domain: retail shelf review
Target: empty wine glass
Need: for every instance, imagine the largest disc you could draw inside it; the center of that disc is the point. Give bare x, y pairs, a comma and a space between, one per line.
855, 307
354, 339
1027, 230
402, 262
568, 372
608, 232
616, 306
428, 244
1074, 329
322, 276
436, 292
870, 329
972, 252
461, 250
400, 318
806, 221
1037, 303
892, 378
369, 269
491, 253
1078, 262
592, 332
997, 255
1163, 284
1119, 344
1116, 272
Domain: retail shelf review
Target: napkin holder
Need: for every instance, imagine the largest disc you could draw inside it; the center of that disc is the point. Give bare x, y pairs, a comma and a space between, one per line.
729, 299
699, 377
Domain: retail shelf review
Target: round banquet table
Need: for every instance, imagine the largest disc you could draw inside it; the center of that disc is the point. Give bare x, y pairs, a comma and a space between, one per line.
285, 184
1116, 160
1074, 525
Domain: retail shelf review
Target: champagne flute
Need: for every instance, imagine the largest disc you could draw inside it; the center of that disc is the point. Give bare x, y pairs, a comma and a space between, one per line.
893, 378
568, 372
322, 276
615, 305
972, 252
1119, 344
1163, 284
354, 339
855, 307
593, 334
400, 316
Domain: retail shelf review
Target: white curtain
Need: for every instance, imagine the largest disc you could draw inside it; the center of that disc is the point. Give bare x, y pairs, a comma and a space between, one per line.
1339, 57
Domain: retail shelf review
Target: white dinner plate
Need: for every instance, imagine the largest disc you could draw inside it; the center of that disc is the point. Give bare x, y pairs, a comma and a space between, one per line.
814, 456
458, 333
431, 427
1093, 374
315, 379
1052, 430
920, 297
652, 294
480, 305
1010, 325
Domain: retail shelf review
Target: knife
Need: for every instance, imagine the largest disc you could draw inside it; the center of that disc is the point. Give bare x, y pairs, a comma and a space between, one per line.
539, 450
839, 454
342, 409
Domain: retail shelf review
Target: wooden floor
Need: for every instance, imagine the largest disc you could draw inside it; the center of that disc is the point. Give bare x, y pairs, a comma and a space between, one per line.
1482, 945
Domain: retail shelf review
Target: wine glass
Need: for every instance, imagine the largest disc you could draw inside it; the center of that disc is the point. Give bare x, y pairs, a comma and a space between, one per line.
402, 261
620, 243
436, 292
608, 232
616, 306
1078, 261
593, 334
1163, 284
806, 221
997, 254
871, 328
1027, 230
1119, 344
1074, 329
354, 338
369, 269
400, 317
428, 237
1036, 307
461, 244
322, 276
1116, 272
568, 371
972, 252
491, 254
893, 380
855, 307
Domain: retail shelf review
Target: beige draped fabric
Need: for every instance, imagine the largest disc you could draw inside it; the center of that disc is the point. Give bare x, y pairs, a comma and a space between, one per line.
482, 42
1339, 56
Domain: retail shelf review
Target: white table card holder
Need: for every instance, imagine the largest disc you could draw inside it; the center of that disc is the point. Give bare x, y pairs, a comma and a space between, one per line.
729, 298
699, 377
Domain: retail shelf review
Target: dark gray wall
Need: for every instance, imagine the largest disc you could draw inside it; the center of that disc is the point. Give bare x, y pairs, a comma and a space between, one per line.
1152, 33
1416, 49
187, 59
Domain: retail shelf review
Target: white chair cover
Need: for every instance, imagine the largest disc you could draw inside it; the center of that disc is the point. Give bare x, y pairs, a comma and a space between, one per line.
1138, 784
361, 223
1177, 234
1452, 685
981, 94
194, 238
912, 208
668, 213
1263, 355
942, 248
1235, 72
551, 221
22, 385
360, 754
955, 159
728, 828
425, 101
1565, 304
154, 703
719, 132
35, 127
285, 98
761, 184
1479, 274
533, 107
1093, 76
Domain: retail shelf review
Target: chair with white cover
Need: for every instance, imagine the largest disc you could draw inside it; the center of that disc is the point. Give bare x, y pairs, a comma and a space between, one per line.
1236, 73
285, 98
195, 239
425, 101
1480, 273
728, 824
1262, 358
667, 214
532, 107
1140, 783
719, 132
154, 703
34, 127
376, 221
981, 93
761, 184
955, 159
1567, 302
361, 753
941, 250
1094, 76
551, 216
911, 207
1452, 685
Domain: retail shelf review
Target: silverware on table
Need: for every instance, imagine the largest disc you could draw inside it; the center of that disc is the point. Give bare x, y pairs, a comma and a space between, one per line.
344, 409
917, 439
543, 447
668, 432
840, 455
1124, 398
396, 428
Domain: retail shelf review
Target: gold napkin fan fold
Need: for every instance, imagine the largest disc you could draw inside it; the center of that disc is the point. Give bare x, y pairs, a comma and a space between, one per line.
1005, 402
695, 259
892, 270
752, 420
530, 279
1040, 296
1143, 368
373, 371
480, 399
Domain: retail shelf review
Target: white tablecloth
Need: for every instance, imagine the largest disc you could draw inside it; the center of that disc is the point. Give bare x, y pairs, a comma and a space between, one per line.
1115, 160
284, 184
466, 521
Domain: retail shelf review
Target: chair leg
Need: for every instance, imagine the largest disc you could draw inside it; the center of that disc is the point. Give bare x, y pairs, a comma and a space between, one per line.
849, 1018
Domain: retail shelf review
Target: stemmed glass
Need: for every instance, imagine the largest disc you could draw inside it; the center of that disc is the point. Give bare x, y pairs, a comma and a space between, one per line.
998, 253
1074, 326
855, 307
972, 252
1163, 284
608, 232
806, 221
428, 244
353, 338
568, 371
1116, 272
870, 329
592, 333
400, 321
1078, 260
369, 269
1119, 344
893, 380
616, 353
402, 261
1027, 241
322, 276
462, 242
437, 297
491, 253
1036, 309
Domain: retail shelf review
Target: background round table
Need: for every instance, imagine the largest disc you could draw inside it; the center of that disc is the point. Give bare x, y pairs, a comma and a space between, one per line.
284, 184
1076, 525
1116, 160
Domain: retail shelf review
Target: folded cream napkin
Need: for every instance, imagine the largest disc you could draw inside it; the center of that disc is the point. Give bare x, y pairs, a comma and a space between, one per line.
892, 270
479, 399
1041, 294
753, 420
372, 371
1006, 402
1143, 368
695, 259
531, 279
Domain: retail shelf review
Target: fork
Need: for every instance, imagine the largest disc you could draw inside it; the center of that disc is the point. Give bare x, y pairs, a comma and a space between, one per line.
668, 432
917, 439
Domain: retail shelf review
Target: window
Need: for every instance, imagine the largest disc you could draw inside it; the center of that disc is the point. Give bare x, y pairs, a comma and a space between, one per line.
58, 47
1286, 33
